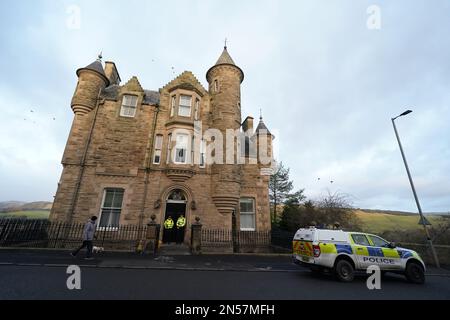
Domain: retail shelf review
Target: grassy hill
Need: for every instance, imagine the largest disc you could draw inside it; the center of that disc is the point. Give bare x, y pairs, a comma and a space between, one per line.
30, 214
378, 222
29, 210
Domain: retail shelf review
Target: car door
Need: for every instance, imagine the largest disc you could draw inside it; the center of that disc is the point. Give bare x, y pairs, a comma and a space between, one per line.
387, 258
360, 244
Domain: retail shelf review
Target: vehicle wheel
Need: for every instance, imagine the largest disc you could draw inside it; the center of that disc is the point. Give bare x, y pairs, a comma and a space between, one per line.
344, 271
414, 273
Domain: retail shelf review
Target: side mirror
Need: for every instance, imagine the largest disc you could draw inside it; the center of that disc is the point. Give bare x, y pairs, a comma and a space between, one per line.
392, 245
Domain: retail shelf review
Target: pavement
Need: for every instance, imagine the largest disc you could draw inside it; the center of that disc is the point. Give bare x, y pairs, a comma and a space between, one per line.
126, 260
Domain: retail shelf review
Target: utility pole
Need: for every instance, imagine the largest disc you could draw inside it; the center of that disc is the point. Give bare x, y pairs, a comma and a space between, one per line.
423, 220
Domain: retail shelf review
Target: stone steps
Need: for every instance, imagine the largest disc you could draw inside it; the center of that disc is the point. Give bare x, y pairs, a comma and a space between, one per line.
174, 250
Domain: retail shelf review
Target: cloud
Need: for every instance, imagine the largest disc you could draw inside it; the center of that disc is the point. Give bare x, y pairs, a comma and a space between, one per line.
326, 83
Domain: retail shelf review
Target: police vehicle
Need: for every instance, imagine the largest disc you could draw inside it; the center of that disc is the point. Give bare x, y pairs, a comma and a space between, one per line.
346, 252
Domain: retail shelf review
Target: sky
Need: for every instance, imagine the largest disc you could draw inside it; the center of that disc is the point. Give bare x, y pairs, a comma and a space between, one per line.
328, 76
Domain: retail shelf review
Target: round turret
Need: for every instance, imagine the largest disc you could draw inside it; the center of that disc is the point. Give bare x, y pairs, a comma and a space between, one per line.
224, 79
91, 79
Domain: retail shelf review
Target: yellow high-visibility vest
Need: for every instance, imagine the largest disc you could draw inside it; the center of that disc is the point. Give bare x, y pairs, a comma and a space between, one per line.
181, 222
168, 224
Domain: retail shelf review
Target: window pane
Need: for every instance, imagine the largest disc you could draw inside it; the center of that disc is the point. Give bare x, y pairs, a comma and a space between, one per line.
378, 242
127, 111
133, 101
130, 101
110, 218
169, 148
197, 107
172, 107
184, 111
202, 160
360, 239
118, 198
180, 155
246, 205
157, 159
104, 217
185, 100
247, 221
158, 142
182, 141
203, 146
107, 203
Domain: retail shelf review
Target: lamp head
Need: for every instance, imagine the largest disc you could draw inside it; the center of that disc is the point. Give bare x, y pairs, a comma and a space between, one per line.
405, 113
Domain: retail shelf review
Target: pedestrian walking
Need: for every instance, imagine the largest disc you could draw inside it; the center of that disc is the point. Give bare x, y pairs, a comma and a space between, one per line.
88, 237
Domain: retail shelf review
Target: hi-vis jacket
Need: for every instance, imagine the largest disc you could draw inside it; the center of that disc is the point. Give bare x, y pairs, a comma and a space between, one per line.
321, 248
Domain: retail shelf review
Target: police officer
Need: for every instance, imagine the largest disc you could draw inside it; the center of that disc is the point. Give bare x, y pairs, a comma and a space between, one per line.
168, 229
181, 223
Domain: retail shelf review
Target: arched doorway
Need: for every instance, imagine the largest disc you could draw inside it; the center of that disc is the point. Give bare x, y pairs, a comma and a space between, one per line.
175, 208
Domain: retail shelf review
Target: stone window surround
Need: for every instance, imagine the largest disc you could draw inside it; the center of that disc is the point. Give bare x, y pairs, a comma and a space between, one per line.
102, 206
160, 148
238, 222
125, 202
139, 101
179, 92
168, 151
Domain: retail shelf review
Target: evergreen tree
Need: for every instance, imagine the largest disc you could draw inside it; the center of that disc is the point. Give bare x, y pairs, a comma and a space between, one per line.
280, 187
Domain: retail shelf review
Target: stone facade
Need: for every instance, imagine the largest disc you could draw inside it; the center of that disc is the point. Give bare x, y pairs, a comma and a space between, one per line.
107, 150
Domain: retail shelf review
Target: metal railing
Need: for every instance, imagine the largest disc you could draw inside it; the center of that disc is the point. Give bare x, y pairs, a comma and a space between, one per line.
238, 240
282, 238
47, 234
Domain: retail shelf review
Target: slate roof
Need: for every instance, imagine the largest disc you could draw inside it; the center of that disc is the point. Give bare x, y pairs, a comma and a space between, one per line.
262, 126
95, 66
112, 92
225, 58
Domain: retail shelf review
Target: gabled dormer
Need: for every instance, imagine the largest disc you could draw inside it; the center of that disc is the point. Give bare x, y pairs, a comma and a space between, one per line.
130, 97
186, 98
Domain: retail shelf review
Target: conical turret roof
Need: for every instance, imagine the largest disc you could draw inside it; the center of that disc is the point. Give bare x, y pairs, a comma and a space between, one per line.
262, 127
95, 66
225, 59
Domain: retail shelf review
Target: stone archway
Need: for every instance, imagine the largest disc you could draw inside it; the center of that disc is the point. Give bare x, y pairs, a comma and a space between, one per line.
175, 207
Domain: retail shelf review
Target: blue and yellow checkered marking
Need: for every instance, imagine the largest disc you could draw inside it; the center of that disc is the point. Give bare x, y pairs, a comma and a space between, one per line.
344, 248
375, 252
404, 254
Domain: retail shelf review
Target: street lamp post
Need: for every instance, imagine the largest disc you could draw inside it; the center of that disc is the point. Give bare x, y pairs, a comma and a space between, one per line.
422, 218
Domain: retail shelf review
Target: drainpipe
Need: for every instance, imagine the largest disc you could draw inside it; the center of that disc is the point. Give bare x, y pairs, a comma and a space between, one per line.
148, 164
83, 163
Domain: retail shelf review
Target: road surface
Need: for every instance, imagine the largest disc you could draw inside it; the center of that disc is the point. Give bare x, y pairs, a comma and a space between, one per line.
49, 282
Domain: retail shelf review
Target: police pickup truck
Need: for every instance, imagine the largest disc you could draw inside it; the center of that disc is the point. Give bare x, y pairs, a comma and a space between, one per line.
345, 252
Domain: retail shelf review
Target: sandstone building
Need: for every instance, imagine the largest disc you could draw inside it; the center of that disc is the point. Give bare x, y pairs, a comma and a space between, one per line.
133, 153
